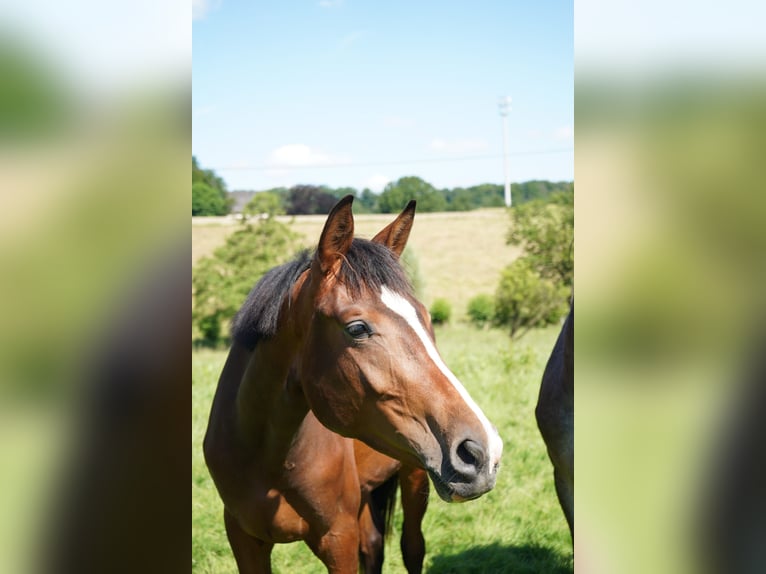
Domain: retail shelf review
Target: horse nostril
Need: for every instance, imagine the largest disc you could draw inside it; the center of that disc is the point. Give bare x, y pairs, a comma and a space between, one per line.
471, 454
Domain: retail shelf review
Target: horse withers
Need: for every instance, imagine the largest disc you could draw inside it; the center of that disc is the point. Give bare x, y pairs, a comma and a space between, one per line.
329, 348
555, 416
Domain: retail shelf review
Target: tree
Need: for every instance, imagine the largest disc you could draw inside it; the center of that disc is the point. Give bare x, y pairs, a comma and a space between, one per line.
309, 200
489, 195
220, 283
525, 300
538, 189
209, 195
369, 201
207, 200
207, 176
481, 310
397, 193
533, 290
459, 199
266, 203
545, 231
340, 192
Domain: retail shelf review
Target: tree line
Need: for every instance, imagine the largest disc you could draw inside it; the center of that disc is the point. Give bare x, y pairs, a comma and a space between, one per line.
209, 194
319, 199
210, 197
534, 289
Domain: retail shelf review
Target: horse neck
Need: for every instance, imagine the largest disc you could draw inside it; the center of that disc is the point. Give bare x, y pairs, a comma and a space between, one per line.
270, 402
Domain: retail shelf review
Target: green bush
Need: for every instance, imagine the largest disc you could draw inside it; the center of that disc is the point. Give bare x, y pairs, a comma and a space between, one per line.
220, 283
441, 311
481, 310
525, 300
209, 329
207, 200
266, 203
544, 229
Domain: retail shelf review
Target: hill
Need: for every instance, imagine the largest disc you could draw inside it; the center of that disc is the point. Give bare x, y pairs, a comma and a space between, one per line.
460, 254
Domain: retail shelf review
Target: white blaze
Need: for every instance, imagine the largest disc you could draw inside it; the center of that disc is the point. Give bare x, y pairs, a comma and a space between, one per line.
404, 308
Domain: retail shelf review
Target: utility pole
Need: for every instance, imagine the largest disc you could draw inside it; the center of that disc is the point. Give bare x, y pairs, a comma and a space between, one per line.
504, 105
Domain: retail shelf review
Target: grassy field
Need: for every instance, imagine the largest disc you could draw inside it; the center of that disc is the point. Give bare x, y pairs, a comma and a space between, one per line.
460, 254
517, 527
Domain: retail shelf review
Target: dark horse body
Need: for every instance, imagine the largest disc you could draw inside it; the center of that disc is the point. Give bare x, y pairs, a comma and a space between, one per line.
555, 416
330, 348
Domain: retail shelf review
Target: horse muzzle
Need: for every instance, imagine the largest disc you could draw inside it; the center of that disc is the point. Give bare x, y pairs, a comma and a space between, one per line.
466, 473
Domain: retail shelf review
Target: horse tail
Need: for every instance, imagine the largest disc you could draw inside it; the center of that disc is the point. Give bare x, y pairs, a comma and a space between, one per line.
383, 502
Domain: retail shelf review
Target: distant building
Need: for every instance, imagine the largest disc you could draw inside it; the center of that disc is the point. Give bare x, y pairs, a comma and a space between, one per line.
241, 199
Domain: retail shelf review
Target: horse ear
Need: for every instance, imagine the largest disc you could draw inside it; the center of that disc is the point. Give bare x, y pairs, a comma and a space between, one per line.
337, 235
395, 234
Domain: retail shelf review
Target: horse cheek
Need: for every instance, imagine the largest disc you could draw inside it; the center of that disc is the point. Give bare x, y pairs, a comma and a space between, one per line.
329, 395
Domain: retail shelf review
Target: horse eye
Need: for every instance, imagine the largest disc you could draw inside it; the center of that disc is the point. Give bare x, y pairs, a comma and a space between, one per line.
358, 330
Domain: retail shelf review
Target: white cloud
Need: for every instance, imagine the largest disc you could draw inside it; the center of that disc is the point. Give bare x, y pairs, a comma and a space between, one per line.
376, 182
301, 155
465, 145
200, 8
563, 133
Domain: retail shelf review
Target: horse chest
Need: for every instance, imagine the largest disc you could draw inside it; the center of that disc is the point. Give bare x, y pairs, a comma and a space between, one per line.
283, 509
272, 517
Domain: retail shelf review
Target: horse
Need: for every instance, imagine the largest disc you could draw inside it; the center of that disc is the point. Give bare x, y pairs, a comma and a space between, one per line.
333, 389
555, 416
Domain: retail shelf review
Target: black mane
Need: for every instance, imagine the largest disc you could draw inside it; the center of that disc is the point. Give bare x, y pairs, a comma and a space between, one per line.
366, 265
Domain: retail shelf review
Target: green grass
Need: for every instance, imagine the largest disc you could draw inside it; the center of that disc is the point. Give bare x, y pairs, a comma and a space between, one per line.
517, 527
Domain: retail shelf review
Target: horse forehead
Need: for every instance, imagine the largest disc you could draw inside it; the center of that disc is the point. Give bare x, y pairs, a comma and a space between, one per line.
409, 309
337, 296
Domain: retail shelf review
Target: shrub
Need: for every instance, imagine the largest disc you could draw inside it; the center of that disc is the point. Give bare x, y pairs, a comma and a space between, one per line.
545, 231
209, 329
266, 203
525, 300
481, 310
441, 310
221, 283
207, 200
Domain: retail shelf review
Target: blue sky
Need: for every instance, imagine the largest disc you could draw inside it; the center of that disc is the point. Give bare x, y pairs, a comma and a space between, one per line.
358, 93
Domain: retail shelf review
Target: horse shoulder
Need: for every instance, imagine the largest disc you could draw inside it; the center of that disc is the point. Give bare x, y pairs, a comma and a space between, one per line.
373, 467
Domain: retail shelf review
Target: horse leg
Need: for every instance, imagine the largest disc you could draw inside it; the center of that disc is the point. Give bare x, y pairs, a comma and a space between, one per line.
565, 492
253, 555
370, 540
338, 548
414, 486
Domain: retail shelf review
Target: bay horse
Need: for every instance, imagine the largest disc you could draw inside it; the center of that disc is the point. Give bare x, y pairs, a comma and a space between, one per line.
555, 416
333, 389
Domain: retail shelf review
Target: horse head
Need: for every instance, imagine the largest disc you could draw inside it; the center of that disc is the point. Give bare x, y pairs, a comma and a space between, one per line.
370, 368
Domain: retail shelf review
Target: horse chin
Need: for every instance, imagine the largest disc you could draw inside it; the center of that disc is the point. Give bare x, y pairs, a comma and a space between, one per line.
447, 492
455, 492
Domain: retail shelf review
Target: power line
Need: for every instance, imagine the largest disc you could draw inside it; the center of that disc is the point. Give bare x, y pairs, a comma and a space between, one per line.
389, 162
